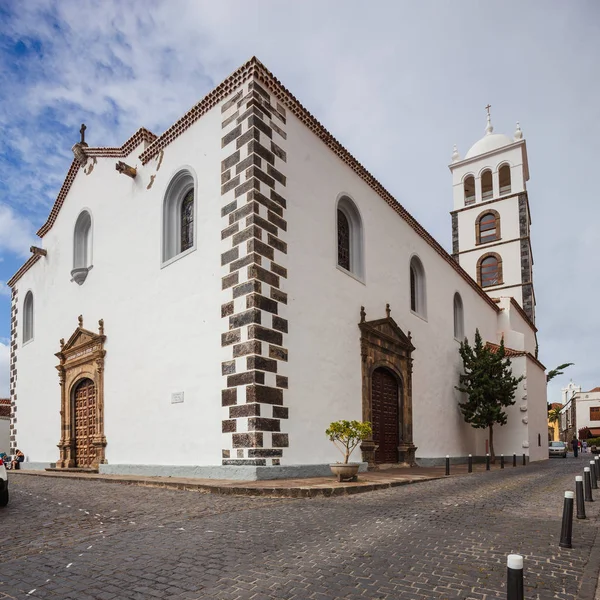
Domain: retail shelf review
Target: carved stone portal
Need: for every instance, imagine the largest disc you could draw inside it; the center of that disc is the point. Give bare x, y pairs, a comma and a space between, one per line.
384, 345
81, 374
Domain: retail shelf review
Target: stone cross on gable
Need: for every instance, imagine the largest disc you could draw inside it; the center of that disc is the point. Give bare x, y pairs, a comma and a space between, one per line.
488, 109
82, 132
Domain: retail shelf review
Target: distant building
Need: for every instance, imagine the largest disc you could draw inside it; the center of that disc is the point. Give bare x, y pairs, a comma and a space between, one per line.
580, 415
5, 425
553, 426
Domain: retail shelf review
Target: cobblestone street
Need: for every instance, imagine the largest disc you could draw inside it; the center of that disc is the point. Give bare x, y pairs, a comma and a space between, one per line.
443, 539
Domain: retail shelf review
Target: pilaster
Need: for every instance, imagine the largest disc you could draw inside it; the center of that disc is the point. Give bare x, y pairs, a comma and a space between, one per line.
14, 322
254, 272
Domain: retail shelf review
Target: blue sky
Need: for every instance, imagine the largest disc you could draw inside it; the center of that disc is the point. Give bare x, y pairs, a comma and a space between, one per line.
398, 83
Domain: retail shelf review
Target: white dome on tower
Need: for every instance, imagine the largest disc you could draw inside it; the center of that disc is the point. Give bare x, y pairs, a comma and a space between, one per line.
490, 141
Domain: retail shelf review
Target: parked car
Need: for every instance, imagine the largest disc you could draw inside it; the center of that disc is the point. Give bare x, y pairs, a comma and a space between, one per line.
3, 484
557, 449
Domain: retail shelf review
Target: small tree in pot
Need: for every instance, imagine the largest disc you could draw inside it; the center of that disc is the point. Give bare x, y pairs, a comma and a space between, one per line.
346, 436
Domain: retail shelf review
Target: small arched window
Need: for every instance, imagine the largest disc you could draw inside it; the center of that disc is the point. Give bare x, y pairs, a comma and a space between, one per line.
469, 190
488, 227
82, 247
349, 237
28, 318
487, 189
459, 318
504, 179
418, 293
489, 270
179, 212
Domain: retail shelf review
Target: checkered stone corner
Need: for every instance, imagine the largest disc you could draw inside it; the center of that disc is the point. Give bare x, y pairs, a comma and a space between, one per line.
14, 322
253, 261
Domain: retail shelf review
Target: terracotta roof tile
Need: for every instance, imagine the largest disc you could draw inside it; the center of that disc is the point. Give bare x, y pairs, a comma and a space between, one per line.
4, 407
511, 353
141, 135
28, 264
596, 389
254, 68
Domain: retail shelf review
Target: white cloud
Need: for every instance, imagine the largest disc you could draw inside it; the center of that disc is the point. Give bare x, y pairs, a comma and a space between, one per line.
16, 233
4, 369
398, 84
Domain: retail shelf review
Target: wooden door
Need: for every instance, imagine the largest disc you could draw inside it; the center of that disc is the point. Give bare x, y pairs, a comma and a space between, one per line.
386, 415
85, 423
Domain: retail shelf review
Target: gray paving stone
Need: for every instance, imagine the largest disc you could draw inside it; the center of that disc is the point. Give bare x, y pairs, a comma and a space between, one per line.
441, 539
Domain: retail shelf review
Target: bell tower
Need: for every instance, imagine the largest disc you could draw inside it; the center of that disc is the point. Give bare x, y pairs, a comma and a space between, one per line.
491, 218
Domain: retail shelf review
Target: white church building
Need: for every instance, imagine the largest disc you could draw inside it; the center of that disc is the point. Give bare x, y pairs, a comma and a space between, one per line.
205, 302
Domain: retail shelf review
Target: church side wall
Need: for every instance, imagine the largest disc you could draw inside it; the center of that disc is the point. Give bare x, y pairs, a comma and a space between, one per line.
537, 411
324, 310
162, 323
5, 435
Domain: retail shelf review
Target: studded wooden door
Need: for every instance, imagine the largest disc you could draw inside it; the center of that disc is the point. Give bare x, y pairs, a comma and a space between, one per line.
386, 416
85, 422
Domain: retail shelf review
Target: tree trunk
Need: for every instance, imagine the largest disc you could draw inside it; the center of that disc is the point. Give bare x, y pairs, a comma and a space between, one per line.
492, 453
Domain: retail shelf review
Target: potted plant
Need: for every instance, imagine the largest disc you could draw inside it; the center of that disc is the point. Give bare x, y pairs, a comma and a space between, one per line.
346, 435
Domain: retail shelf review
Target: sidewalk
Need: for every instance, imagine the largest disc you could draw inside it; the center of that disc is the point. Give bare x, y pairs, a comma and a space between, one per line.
282, 488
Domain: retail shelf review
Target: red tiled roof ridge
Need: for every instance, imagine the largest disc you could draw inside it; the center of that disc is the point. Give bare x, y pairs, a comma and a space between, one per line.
251, 68
28, 264
511, 352
5, 401
596, 389
556, 405
141, 135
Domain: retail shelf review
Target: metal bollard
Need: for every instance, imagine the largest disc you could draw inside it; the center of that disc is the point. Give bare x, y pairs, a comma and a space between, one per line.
502, 461
514, 460
587, 484
470, 464
593, 477
579, 497
566, 529
597, 461
524, 461
447, 465
487, 462
514, 577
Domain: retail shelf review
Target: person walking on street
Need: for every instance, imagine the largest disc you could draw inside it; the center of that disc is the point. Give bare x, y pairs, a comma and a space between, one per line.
584, 446
575, 444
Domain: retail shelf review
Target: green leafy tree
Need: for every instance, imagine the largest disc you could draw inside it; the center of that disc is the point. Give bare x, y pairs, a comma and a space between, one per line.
346, 435
489, 384
558, 371
554, 414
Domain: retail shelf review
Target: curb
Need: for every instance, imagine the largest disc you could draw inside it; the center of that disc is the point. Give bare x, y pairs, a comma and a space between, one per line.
241, 490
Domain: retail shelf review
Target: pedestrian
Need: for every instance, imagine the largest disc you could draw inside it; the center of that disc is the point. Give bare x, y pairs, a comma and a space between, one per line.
584, 446
575, 444
18, 458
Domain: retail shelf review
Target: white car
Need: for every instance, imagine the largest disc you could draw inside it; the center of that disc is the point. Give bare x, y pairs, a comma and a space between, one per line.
3, 485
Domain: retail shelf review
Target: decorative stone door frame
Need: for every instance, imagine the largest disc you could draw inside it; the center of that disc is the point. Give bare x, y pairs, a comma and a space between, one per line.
384, 344
82, 357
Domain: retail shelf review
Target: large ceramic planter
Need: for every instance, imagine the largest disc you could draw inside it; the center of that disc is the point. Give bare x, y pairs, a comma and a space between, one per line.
345, 471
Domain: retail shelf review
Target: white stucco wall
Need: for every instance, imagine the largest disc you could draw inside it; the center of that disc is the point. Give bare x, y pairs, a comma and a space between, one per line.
325, 367
584, 402
537, 411
162, 324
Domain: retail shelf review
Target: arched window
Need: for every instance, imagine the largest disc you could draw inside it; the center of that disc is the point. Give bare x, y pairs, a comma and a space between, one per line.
28, 318
82, 247
459, 318
349, 237
487, 190
179, 212
504, 178
418, 293
187, 221
488, 227
469, 190
489, 270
